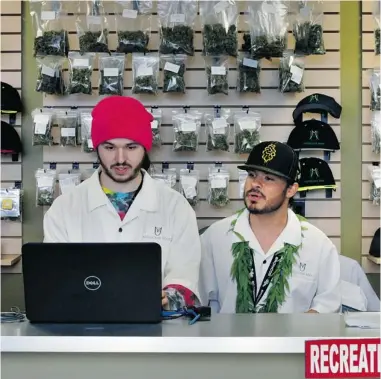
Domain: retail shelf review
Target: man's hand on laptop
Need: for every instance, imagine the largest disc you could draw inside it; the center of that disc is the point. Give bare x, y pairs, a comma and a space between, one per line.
164, 300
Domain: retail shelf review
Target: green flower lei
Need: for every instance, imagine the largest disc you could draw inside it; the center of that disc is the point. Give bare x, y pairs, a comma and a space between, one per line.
240, 273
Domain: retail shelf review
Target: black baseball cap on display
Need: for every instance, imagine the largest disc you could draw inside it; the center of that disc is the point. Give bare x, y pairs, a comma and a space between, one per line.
316, 103
275, 158
10, 141
374, 248
10, 99
313, 135
315, 173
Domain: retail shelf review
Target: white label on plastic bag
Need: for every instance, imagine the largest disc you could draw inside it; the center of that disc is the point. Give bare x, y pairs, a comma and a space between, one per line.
90, 144
247, 125
154, 124
41, 119
188, 126
172, 67
377, 183
48, 15
144, 71
177, 18
80, 62
218, 70
45, 181
218, 183
40, 128
130, 13
68, 132
189, 186
297, 74
250, 62
46, 70
219, 125
219, 7
93, 20
111, 71
268, 8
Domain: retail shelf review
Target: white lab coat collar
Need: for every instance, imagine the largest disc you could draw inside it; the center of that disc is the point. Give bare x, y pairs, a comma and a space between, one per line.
291, 234
146, 199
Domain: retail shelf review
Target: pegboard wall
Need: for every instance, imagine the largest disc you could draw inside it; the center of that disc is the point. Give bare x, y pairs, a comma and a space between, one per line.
370, 212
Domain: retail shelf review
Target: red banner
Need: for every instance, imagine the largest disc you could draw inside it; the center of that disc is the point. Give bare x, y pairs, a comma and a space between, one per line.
343, 358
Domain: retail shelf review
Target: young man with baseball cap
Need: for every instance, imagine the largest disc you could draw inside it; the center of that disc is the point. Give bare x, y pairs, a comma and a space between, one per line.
265, 258
122, 203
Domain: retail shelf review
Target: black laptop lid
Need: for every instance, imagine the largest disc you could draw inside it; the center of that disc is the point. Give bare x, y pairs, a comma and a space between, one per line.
92, 282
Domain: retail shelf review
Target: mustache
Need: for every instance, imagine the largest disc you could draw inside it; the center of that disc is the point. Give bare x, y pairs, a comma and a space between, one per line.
125, 164
256, 192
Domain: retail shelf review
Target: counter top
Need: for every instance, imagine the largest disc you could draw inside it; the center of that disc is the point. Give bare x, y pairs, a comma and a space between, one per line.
260, 333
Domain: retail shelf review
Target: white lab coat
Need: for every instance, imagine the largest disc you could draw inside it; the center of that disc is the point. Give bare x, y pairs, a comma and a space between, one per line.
158, 214
315, 280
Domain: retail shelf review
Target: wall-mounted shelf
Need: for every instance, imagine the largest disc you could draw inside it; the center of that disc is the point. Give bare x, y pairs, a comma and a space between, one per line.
8, 260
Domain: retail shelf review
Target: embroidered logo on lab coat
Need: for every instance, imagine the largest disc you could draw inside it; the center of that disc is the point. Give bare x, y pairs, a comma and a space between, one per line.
302, 267
158, 231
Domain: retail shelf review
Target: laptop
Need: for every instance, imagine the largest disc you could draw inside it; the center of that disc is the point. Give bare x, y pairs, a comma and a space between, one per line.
92, 282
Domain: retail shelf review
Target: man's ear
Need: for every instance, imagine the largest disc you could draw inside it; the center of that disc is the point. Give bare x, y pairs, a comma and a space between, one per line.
292, 190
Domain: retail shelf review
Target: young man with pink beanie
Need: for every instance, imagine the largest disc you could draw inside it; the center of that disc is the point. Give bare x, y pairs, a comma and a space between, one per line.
122, 203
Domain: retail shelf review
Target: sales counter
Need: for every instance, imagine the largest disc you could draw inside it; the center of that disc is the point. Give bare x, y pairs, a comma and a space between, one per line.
262, 346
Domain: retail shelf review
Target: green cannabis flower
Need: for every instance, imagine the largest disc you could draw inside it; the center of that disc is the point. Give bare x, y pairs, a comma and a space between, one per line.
132, 42
80, 81
218, 41
185, 141
52, 43
177, 40
245, 140
309, 39
94, 42
217, 83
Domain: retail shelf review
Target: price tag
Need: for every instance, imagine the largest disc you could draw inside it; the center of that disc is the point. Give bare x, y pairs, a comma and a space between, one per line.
189, 184
218, 70
172, 67
178, 18
46, 70
218, 183
154, 124
377, 183
247, 124
219, 125
220, 6
250, 62
7, 204
111, 72
80, 62
68, 132
41, 119
144, 71
40, 128
90, 144
130, 13
297, 74
188, 126
48, 15
93, 20
45, 181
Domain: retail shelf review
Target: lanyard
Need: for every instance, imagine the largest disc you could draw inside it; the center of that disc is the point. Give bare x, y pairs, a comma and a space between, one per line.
258, 293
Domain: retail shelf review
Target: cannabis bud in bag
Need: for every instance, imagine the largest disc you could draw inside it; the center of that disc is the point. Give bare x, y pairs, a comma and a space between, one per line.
217, 75
217, 130
218, 193
167, 176
111, 74
248, 74
68, 181
291, 73
376, 16
49, 75
374, 85
156, 126
173, 73
176, 20
10, 200
189, 183
375, 184
86, 122
247, 125
46, 182
67, 121
80, 73
219, 23
376, 132
42, 131
186, 127
145, 72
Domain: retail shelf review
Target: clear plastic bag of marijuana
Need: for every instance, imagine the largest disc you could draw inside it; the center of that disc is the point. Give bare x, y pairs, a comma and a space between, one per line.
145, 73
42, 127
375, 126
291, 73
48, 21
45, 186
217, 129
87, 143
67, 121
374, 173
189, 185
10, 202
156, 126
242, 176
219, 27
217, 75
308, 28
80, 73
218, 186
173, 73
166, 176
376, 16
176, 23
92, 27
268, 22
246, 127
50, 75
248, 78
133, 25
374, 85
68, 181
111, 74
186, 128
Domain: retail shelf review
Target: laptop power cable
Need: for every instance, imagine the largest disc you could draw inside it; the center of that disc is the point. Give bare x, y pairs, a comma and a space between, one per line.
15, 315
193, 313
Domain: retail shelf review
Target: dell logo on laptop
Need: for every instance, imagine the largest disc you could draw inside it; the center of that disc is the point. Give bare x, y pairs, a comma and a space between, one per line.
92, 283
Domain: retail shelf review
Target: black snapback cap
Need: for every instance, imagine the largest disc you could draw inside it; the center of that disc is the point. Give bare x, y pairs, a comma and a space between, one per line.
275, 158
315, 173
10, 141
10, 99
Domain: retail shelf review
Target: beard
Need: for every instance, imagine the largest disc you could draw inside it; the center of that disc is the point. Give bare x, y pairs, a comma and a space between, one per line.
268, 208
134, 174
